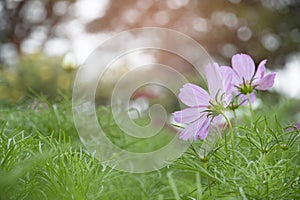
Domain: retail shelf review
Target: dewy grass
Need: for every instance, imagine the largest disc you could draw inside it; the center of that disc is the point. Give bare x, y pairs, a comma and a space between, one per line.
42, 158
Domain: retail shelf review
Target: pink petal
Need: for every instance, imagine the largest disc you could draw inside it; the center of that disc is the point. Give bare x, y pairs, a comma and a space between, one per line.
218, 119
203, 132
193, 95
227, 73
214, 80
192, 129
227, 99
266, 82
231, 79
188, 115
260, 72
243, 65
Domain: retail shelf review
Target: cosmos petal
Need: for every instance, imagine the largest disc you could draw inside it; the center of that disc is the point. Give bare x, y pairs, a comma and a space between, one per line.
228, 71
190, 131
218, 119
243, 65
227, 75
188, 115
214, 80
260, 72
228, 87
193, 95
203, 131
266, 82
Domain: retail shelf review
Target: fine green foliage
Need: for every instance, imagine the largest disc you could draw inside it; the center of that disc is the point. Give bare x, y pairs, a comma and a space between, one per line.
41, 157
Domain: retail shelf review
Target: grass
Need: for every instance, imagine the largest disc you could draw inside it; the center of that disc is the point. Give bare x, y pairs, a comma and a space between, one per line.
41, 157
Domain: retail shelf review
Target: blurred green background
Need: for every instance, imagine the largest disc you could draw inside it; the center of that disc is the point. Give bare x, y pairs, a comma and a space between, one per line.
37, 38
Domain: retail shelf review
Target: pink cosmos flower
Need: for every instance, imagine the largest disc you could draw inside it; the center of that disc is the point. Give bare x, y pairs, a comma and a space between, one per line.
204, 107
297, 125
295, 128
244, 77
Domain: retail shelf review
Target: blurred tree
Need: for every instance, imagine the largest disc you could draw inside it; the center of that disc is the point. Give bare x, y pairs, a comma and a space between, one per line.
263, 28
21, 20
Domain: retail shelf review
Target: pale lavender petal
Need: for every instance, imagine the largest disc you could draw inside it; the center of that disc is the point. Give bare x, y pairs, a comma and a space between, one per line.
266, 82
225, 70
260, 72
188, 115
214, 80
190, 131
244, 99
243, 65
227, 75
203, 132
193, 95
228, 98
218, 119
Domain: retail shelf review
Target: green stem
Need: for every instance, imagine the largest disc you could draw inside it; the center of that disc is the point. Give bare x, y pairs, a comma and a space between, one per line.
226, 145
234, 114
282, 155
208, 179
250, 105
231, 136
173, 185
262, 168
199, 187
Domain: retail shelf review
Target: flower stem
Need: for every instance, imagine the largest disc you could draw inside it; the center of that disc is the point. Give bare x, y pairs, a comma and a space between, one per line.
250, 105
231, 137
262, 168
226, 144
234, 114
208, 179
